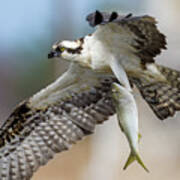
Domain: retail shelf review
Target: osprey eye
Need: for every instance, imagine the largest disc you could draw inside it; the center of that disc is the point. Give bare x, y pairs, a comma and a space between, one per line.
62, 49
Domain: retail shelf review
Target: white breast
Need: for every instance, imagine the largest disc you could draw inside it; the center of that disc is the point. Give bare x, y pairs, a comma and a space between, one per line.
98, 53
105, 44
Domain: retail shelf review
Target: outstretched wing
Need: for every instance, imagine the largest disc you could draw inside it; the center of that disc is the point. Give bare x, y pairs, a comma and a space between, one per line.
140, 33
52, 120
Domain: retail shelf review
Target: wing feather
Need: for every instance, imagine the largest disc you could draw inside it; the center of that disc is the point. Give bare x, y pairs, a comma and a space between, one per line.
139, 32
38, 129
162, 96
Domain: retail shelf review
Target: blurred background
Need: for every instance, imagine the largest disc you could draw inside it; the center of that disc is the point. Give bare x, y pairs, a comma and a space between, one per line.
29, 28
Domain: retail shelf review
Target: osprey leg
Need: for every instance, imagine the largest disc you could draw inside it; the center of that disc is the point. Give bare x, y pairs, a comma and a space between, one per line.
120, 73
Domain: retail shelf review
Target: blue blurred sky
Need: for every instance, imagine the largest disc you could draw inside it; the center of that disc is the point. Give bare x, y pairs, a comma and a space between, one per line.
24, 22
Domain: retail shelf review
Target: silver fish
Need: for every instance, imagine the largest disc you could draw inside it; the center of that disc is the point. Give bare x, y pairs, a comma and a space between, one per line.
127, 115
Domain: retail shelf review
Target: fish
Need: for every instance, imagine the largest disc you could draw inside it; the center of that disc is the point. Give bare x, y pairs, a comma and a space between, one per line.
127, 115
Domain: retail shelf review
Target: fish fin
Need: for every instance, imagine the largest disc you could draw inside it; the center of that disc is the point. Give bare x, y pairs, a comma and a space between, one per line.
130, 160
137, 157
139, 137
132, 157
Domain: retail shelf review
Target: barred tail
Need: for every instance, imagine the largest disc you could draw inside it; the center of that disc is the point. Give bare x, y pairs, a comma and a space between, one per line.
162, 97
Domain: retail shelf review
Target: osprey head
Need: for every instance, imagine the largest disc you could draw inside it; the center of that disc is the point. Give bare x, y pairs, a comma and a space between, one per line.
68, 50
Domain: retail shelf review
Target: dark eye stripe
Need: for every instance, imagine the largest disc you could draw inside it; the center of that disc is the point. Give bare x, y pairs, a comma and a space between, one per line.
74, 51
58, 49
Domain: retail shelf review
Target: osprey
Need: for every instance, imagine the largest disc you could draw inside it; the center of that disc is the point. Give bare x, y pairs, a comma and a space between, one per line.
121, 50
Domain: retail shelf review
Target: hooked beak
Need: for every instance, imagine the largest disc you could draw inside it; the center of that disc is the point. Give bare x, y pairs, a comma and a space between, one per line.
53, 54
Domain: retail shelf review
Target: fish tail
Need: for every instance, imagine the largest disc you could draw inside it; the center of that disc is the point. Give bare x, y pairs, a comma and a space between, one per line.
132, 157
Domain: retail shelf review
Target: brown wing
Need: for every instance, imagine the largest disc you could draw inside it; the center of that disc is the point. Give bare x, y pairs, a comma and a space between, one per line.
162, 97
148, 41
31, 136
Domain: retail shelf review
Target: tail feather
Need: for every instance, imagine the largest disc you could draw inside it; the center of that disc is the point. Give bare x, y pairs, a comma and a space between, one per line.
162, 97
